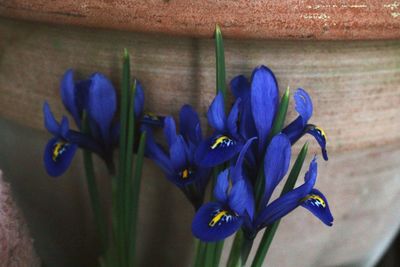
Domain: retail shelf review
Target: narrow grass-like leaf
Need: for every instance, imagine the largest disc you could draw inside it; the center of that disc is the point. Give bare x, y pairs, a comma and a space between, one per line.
200, 254
135, 195
220, 61
235, 254
98, 214
281, 116
271, 229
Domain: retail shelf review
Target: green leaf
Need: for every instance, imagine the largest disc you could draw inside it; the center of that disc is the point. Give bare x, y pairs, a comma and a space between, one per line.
281, 116
271, 230
135, 196
220, 61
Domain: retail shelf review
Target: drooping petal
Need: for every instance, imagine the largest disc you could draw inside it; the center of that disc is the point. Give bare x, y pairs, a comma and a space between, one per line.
190, 124
139, 99
49, 121
276, 164
68, 95
233, 119
304, 104
289, 201
295, 130
213, 222
154, 151
178, 154
216, 113
150, 119
320, 136
216, 150
57, 156
317, 204
102, 104
221, 187
238, 197
84, 141
240, 87
170, 130
264, 101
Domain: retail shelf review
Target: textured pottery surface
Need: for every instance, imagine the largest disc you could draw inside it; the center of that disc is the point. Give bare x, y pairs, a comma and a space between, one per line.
16, 244
356, 90
291, 19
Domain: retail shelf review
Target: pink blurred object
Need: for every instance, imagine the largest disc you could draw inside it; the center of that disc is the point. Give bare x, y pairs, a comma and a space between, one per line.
16, 245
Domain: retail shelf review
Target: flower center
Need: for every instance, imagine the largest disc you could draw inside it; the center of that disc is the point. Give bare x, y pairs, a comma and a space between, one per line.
219, 216
315, 200
59, 148
186, 173
222, 141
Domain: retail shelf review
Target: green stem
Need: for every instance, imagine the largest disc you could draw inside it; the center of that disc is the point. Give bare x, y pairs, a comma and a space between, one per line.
200, 254
265, 244
220, 61
234, 256
210, 252
98, 215
218, 251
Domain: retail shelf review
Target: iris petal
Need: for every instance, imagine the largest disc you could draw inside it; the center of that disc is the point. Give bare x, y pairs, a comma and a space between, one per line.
178, 154
102, 104
320, 136
49, 121
213, 222
289, 201
233, 119
240, 87
264, 101
68, 95
190, 124
276, 164
154, 151
238, 197
216, 150
216, 113
139, 99
295, 130
58, 155
304, 104
221, 186
170, 130
317, 204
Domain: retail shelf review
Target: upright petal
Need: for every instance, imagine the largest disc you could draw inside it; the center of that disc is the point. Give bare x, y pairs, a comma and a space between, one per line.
49, 121
237, 169
170, 130
289, 201
276, 164
317, 204
320, 136
232, 122
264, 101
213, 222
102, 104
139, 99
178, 154
68, 95
190, 124
216, 113
240, 87
57, 156
304, 104
222, 186
216, 150
238, 197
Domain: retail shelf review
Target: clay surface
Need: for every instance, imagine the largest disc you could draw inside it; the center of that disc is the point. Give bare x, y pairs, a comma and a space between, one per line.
293, 19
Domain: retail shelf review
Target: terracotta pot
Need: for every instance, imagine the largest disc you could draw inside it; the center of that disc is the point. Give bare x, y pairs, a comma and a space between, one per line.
354, 85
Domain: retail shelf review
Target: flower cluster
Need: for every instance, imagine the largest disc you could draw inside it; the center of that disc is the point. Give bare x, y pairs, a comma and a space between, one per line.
243, 142
98, 132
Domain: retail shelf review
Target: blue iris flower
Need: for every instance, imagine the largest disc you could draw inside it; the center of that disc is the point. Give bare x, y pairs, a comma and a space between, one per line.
234, 208
177, 161
97, 97
296, 129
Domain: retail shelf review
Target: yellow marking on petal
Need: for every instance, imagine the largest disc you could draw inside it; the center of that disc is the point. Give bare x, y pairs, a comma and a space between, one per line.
217, 218
185, 173
221, 140
58, 149
322, 132
315, 197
